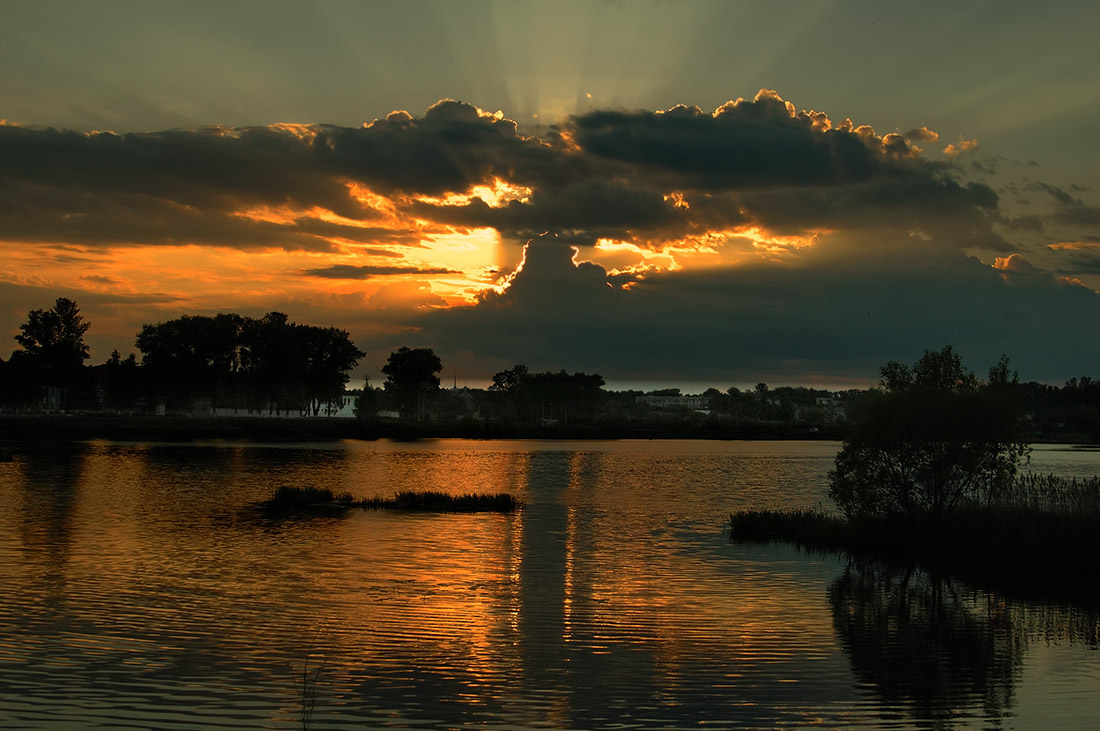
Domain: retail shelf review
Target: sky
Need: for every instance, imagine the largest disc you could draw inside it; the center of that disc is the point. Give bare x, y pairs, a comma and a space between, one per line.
667, 193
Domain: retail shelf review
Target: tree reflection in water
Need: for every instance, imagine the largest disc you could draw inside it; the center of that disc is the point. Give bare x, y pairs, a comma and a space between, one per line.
938, 650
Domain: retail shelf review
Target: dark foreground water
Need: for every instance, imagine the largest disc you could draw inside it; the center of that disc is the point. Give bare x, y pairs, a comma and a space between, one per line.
138, 590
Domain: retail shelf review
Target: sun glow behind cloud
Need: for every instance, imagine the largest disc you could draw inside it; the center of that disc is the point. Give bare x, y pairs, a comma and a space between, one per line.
497, 193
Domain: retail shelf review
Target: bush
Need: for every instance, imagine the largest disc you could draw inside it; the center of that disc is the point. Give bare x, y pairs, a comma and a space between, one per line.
932, 439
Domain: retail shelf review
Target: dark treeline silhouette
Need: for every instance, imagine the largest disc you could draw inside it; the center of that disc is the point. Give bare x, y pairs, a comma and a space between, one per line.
192, 364
271, 366
550, 398
412, 376
261, 364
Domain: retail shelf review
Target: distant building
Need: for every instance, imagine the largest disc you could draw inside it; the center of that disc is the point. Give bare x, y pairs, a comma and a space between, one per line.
684, 402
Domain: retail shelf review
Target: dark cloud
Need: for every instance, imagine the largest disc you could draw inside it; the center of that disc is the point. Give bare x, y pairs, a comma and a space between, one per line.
348, 271
451, 148
1071, 209
208, 168
594, 207
1077, 258
1032, 223
600, 174
755, 144
829, 317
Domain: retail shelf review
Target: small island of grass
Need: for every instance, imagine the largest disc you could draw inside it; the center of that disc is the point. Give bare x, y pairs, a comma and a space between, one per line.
1042, 541
294, 500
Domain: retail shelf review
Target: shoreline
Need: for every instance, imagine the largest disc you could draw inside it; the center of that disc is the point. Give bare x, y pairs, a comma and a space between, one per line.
23, 428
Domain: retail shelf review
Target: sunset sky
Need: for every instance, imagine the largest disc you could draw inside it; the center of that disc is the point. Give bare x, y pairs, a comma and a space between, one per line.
680, 193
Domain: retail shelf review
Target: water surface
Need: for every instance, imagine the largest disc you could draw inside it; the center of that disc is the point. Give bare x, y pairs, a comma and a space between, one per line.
141, 590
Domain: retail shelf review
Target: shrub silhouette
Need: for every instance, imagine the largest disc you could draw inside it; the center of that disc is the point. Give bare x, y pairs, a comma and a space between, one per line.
931, 439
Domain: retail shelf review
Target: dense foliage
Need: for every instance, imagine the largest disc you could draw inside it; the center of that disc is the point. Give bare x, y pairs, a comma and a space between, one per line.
189, 364
523, 396
412, 376
932, 438
53, 339
260, 364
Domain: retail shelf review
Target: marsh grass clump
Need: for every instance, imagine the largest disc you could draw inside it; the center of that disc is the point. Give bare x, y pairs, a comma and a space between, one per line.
1039, 538
429, 501
294, 501
1052, 494
812, 527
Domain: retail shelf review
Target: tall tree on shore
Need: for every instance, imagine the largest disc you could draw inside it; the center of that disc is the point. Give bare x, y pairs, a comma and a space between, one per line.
412, 375
267, 363
190, 357
53, 340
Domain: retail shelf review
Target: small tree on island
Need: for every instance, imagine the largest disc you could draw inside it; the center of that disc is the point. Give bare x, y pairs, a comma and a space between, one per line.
932, 438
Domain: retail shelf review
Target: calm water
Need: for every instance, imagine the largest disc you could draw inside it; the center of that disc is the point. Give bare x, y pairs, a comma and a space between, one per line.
140, 591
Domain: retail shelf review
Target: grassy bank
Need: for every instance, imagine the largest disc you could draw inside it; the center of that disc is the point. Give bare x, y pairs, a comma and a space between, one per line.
294, 500
1042, 541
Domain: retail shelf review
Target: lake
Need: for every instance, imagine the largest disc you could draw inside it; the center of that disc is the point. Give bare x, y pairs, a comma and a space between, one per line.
140, 590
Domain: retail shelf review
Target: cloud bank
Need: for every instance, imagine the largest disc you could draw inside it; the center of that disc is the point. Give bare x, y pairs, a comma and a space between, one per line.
752, 241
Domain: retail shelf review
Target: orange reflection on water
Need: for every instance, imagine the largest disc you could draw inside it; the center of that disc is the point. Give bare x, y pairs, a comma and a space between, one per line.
632, 581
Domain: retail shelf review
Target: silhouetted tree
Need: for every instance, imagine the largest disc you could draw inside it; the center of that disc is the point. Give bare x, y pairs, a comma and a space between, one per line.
291, 366
328, 355
931, 438
367, 402
53, 340
267, 363
568, 396
191, 356
412, 374
50, 362
561, 396
121, 381
510, 379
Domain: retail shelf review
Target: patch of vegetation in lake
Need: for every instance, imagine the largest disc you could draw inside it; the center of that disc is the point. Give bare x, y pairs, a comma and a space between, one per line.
290, 500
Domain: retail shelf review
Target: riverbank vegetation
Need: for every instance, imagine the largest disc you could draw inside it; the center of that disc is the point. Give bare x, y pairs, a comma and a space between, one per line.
929, 476
1040, 540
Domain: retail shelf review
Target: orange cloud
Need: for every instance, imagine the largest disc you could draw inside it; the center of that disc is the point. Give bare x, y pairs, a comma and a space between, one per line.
923, 134
1074, 246
960, 147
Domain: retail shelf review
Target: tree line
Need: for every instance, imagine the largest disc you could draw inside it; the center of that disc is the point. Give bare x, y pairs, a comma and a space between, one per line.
271, 365
267, 364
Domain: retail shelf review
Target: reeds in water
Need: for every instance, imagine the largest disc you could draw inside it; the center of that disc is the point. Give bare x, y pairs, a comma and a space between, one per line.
289, 499
1052, 494
1040, 537
429, 500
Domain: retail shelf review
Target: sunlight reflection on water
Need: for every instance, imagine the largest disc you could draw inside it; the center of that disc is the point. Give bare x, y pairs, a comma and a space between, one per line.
141, 590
